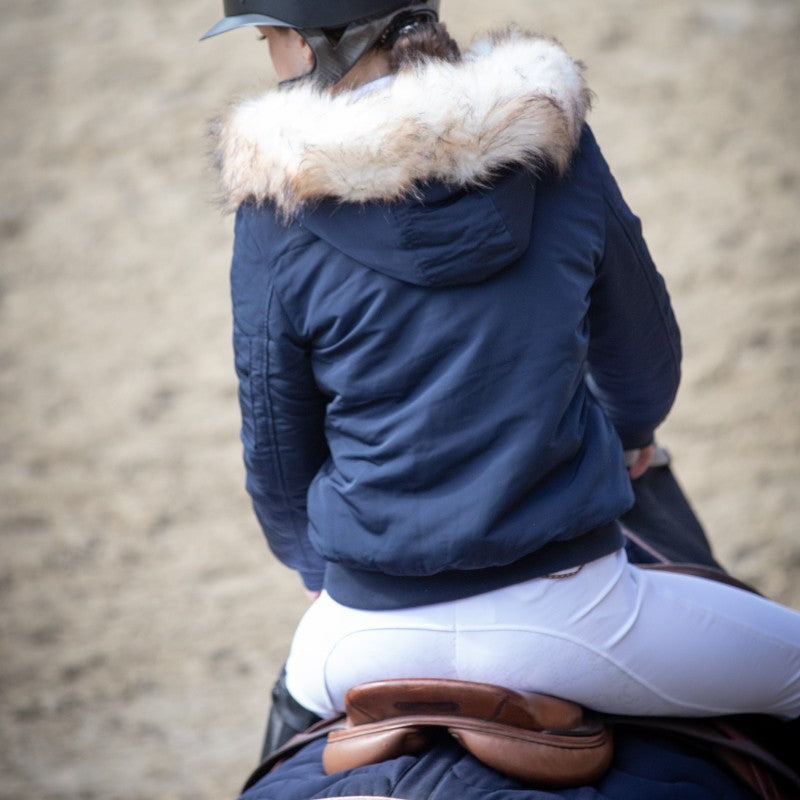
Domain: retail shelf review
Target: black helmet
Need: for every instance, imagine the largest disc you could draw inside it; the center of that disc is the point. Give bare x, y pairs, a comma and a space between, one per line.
338, 32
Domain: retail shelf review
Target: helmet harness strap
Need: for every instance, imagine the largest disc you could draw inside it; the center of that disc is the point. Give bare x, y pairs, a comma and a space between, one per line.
334, 56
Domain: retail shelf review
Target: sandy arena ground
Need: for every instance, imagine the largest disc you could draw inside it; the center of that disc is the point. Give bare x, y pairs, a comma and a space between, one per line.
141, 617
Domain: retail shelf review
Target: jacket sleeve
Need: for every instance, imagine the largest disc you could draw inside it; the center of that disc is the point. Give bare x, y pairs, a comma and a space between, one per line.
634, 347
283, 411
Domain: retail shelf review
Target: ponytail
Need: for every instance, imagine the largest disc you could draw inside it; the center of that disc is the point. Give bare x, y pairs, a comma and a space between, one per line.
413, 39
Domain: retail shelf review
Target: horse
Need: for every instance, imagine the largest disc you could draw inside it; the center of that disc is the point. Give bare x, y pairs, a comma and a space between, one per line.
420, 753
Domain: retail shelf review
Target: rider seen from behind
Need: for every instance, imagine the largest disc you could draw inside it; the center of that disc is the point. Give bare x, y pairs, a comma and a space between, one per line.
453, 350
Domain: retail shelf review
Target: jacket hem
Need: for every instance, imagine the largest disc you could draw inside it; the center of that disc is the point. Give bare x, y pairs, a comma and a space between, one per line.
371, 590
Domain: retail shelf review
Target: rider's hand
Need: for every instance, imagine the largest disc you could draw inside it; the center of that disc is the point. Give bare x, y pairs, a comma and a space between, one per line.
639, 460
312, 596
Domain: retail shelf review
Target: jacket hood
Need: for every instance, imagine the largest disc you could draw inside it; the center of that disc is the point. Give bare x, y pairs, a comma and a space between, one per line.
440, 138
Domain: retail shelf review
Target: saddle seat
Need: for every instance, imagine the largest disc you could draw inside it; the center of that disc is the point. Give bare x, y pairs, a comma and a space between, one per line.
533, 737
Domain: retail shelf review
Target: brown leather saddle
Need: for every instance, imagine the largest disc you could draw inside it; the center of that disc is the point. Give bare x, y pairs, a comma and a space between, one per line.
531, 737
538, 739
535, 738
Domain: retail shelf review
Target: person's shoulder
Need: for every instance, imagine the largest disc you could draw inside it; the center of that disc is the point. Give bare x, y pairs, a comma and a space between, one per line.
588, 157
585, 180
591, 168
260, 228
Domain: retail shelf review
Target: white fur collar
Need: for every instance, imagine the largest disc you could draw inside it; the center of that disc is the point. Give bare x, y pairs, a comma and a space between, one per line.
515, 98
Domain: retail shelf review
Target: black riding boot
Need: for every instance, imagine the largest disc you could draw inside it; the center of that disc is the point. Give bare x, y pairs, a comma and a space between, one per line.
286, 717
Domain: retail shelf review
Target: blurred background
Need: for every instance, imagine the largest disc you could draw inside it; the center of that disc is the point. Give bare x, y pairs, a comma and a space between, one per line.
142, 620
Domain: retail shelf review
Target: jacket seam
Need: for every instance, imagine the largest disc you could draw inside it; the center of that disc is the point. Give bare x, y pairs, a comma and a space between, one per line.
299, 532
273, 288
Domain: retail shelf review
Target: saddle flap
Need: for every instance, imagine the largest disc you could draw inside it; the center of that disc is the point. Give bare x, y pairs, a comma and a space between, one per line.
538, 757
532, 737
541, 758
381, 700
370, 744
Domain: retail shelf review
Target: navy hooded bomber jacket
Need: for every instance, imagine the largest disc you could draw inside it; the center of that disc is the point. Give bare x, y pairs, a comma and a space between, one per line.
447, 328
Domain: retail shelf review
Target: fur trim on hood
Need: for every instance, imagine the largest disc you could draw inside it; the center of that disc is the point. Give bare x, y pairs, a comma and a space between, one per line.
514, 98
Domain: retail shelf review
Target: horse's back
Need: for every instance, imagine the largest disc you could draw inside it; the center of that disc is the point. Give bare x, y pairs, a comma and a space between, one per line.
646, 766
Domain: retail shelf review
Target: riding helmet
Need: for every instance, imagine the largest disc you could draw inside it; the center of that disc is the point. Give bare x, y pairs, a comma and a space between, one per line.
338, 32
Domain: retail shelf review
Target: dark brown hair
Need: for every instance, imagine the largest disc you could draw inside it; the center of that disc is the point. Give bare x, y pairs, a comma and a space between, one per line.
421, 40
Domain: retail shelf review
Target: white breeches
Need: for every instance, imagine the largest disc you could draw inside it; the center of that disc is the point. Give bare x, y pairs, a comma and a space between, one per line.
612, 637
